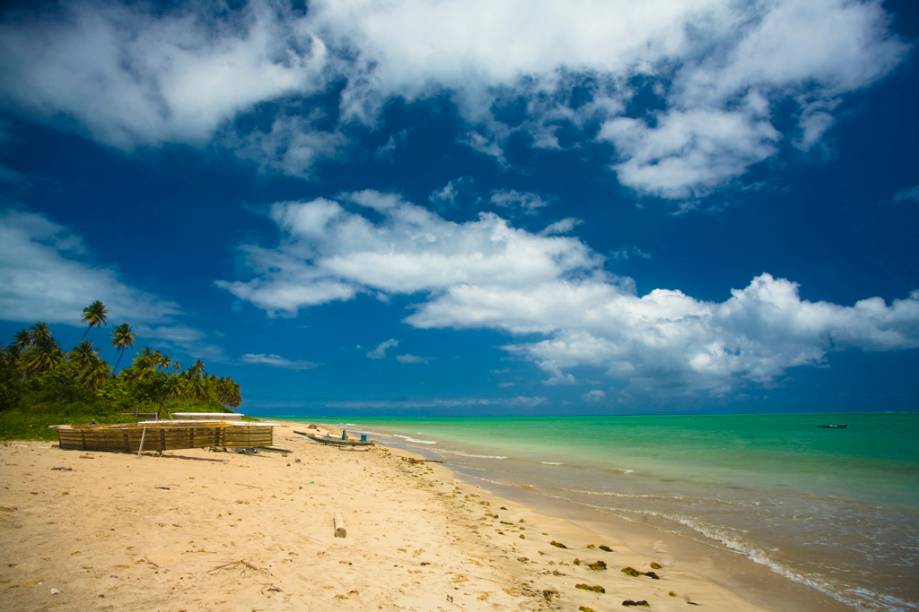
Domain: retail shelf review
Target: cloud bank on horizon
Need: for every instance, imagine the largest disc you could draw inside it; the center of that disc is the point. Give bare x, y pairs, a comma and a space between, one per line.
488, 274
716, 71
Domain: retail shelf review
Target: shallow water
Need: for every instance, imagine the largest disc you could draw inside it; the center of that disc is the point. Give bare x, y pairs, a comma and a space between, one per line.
836, 509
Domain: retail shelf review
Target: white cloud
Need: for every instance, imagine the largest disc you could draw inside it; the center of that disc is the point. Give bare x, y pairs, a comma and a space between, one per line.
530, 401
814, 124
410, 48
527, 202
689, 153
755, 335
706, 57
379, 352
133, 76
835, 45
412, 359
290, 146
276, 361
630, 252
594, 395
487, 274
454, 193
562, 226
331, 253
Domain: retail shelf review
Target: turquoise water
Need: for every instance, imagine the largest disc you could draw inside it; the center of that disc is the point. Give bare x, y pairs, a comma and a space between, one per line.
836, 509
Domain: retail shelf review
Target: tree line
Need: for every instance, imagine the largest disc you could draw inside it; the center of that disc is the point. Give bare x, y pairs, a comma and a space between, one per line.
35, 372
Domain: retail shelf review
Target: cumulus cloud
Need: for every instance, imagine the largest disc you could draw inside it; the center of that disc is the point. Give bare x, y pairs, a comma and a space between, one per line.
379, 352
594, 395
132, 76
47, 274
688, 153
485, 273
276, 361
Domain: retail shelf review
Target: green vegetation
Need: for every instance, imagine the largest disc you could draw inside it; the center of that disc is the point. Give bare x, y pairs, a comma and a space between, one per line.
41, 385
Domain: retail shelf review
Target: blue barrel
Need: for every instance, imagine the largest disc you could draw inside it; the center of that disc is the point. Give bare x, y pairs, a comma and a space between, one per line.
344, 434
363, 437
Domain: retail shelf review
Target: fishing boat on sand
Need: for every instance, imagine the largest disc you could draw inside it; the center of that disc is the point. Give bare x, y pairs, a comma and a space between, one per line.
335, 441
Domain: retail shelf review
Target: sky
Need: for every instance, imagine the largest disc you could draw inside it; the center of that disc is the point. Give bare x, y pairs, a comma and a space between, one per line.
451, 208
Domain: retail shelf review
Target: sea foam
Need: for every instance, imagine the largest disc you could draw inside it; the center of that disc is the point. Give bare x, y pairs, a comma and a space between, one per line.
414, 440
470, 455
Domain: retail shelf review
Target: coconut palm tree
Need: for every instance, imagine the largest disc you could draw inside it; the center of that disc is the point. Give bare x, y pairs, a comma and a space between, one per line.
94, 315
122, 338
43, 352
95, 372
83, 354
40, 333
91, 368
23, 339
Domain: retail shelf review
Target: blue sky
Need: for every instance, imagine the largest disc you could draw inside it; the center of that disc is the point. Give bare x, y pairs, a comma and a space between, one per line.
476, 208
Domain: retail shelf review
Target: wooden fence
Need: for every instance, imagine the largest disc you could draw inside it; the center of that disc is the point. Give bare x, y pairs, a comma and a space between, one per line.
163, 435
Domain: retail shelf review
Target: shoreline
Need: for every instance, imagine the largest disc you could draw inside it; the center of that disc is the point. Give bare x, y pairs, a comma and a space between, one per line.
829, 512
757, 581
196, 530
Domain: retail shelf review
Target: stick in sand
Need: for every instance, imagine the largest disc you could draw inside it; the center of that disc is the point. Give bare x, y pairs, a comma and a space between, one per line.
339, 524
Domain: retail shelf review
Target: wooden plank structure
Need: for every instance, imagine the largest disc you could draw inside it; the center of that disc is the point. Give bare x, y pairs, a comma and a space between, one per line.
208, 416
164, 435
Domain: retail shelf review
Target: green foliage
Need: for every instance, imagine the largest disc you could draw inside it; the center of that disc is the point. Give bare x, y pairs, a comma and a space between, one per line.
41, 385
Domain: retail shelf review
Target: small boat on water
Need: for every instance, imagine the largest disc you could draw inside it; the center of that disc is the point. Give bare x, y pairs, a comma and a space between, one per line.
834, 426
334, 441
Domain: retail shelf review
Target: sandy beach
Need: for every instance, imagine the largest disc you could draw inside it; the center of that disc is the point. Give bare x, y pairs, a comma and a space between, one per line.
198, 530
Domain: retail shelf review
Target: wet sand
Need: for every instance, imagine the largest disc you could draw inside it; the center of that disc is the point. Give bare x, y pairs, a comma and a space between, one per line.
196, 530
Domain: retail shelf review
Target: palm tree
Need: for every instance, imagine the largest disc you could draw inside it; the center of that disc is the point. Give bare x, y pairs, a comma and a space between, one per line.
23, 339
91, 368
83, 354
44, 353
40, 334
95, 372
94, 315
122, 338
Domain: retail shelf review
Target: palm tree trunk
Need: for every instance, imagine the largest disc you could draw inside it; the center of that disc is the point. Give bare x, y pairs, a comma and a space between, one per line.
83, 337
117, 363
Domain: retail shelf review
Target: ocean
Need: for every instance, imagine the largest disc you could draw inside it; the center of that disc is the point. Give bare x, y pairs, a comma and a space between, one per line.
835, 509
